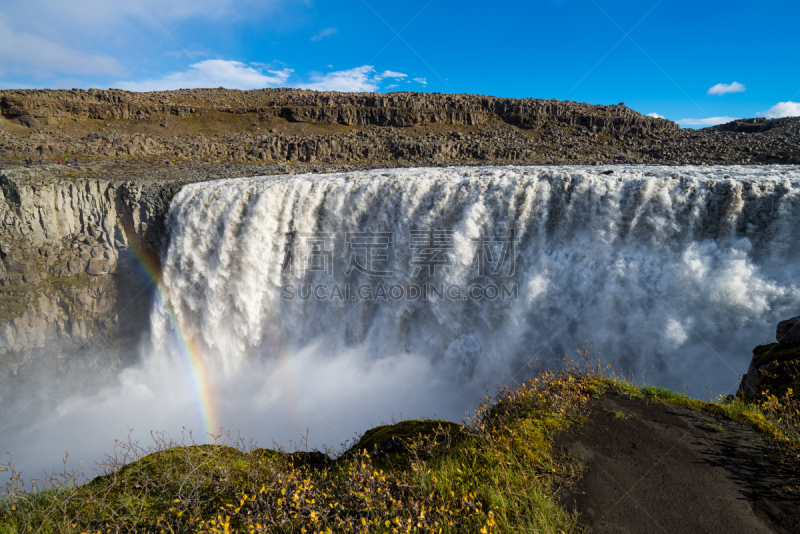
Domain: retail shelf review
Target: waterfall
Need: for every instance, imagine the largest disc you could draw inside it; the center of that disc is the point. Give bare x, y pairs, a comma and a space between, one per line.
673, 272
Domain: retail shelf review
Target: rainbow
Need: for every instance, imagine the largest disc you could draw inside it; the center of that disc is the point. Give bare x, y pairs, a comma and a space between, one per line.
188, 347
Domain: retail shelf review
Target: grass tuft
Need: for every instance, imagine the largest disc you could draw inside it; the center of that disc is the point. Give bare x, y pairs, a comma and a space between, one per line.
661, 393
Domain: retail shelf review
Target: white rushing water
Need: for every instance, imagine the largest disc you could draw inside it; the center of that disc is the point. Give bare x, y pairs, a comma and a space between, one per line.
303, 296
676, 271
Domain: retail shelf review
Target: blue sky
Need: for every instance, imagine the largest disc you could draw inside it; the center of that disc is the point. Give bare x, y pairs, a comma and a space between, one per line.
695, 62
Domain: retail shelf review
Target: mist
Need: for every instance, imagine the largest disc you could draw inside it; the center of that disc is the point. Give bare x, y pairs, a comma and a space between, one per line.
311, 400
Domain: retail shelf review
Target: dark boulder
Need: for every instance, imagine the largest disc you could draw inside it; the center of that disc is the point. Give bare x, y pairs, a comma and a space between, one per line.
788, 332
775, 367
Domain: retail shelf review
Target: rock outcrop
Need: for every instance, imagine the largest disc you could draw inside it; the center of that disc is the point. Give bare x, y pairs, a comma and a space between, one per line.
776, 366
71, 275
291, 125
788, 332
351, 109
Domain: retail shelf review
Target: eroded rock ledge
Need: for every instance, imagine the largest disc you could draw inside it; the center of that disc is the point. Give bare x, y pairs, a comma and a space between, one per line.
350, 109
290, 125
775, 367
72, 275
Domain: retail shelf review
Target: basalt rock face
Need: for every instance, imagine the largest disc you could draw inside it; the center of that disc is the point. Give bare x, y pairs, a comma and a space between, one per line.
760, 125
350, 109
775, 367
296, 126
788, 332
69, 278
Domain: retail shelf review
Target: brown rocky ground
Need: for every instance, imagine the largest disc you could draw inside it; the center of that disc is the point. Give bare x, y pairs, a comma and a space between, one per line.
658, 467
202, 128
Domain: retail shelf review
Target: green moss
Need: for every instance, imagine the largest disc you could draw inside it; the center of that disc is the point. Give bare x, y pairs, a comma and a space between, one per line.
735, 409
147, 488
13, 300
390, 443
660, 392
482, 479
10, 310
81, 280
774, 352
626, 389
403, 431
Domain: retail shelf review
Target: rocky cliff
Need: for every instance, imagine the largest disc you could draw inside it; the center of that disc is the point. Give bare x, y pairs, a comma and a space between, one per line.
71, 268
289, 125
775, 367
350, 109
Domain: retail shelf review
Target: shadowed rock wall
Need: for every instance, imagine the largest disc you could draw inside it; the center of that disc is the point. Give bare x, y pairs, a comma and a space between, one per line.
72, 275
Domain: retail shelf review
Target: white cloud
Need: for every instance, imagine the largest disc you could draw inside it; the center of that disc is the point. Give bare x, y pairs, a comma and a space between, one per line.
781, 109
327, 32
358, 79
87, 38
32, 54
723, 89
229, 74
423, 81
708, 121
213, 73
393, 74
655, 115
